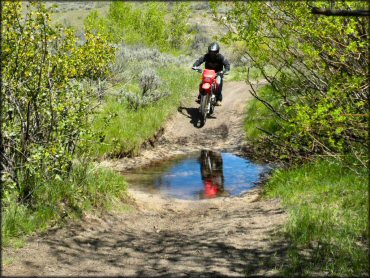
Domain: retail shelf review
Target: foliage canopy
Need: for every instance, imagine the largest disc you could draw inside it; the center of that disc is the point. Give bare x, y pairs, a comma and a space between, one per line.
317, 67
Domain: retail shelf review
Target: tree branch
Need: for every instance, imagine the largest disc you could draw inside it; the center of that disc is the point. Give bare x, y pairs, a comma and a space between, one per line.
330, 12
268, 105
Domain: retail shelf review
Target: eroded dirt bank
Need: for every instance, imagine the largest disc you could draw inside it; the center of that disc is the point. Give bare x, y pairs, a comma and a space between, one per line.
223, 236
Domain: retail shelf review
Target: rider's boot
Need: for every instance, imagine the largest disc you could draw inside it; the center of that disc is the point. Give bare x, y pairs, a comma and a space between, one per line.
218, 97
198, 98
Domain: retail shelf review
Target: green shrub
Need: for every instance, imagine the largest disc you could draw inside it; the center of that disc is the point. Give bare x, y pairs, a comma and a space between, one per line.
146, 24
314, 65
46, 110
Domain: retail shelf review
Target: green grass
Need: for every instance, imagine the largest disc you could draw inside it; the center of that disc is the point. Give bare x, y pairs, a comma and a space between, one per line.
258, 116
87, 188
127, 129
328, 217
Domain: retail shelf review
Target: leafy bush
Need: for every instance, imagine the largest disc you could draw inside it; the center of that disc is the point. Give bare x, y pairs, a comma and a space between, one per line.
46, 109
144, 24
93, 22
178, 25
317, 68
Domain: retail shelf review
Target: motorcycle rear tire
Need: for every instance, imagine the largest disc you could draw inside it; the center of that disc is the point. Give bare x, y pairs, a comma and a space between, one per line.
203, 120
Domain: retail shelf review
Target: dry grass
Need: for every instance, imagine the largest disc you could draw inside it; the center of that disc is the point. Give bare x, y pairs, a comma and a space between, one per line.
73, 13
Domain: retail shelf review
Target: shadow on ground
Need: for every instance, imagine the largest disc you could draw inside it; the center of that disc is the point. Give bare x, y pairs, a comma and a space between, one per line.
207, 248
194, 116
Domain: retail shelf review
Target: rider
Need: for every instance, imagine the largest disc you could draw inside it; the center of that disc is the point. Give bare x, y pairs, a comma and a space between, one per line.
214, 61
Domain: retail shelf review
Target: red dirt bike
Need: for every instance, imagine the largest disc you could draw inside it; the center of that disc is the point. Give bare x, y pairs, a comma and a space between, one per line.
207, 91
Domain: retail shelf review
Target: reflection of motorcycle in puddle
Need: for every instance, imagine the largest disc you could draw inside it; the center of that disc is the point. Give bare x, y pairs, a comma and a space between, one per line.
211, 168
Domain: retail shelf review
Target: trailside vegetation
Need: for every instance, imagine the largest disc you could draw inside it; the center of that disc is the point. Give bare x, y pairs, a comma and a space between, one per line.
154, 24
45, 116
328, 218
70, 98
317, 69
134, 112
311, 112
149, 80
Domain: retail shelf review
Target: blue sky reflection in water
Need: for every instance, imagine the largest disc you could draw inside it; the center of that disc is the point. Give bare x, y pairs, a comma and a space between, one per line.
207, 174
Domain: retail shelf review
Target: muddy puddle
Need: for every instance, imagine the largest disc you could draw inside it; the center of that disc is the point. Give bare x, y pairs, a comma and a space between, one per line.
201, 175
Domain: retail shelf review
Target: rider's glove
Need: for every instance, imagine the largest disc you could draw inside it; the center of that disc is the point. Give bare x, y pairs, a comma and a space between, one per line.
196, 68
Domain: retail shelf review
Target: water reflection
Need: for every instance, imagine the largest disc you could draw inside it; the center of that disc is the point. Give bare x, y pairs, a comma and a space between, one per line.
207, 174
212, 172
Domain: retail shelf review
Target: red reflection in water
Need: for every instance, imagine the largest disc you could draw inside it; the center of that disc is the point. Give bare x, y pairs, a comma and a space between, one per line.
211, 168
210, 189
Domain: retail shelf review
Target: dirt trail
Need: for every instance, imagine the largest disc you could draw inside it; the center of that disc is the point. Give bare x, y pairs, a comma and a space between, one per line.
231, 236
223, 131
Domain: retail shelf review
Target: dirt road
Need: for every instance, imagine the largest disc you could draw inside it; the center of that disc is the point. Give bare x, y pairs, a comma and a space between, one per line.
167, 237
